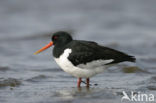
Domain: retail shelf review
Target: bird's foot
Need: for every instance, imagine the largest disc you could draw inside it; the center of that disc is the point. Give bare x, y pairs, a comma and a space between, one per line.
90, 84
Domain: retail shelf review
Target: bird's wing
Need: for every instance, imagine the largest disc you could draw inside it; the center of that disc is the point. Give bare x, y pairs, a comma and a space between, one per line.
85, 52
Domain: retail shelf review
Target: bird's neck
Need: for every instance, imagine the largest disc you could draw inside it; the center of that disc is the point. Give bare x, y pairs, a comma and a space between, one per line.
59, 49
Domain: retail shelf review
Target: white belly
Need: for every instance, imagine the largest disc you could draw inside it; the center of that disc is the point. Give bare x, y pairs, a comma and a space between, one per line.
84, 71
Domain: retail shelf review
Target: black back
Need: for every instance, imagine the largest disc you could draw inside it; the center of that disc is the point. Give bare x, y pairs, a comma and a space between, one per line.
85, 51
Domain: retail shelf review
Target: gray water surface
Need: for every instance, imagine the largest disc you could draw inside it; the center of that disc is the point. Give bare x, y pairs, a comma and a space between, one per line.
27, 25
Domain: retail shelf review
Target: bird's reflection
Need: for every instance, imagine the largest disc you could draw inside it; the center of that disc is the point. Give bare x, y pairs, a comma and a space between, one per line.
71, 93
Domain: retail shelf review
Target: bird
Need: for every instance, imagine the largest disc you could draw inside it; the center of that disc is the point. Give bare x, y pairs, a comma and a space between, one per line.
83, 59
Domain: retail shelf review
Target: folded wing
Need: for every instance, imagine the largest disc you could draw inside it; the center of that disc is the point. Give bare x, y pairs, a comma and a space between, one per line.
85, 52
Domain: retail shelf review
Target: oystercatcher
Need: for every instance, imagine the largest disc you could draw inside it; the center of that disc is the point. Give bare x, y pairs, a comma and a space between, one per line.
83, 59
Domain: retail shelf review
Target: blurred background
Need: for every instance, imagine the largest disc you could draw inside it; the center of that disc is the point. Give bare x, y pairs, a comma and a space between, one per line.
27, 25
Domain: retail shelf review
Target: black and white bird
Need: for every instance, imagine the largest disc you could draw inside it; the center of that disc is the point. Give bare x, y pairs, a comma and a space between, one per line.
83, 59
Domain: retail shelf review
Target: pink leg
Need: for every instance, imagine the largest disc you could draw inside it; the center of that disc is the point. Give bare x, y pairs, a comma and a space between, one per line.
79, 82
87, 81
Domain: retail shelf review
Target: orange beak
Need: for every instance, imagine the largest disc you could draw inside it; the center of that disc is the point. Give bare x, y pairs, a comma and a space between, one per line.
44, 48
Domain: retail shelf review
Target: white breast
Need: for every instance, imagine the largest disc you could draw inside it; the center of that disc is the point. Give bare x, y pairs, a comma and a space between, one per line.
83, 70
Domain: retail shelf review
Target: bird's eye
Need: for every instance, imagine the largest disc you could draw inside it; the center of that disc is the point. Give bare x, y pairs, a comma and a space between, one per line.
55, 37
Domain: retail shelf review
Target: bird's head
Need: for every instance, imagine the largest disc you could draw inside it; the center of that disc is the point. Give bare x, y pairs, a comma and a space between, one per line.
58, 38
61, 37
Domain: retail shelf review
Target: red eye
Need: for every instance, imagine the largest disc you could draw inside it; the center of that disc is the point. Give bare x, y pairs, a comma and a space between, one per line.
55, 37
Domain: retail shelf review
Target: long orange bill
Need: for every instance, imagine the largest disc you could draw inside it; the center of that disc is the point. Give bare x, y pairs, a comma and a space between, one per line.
44, 48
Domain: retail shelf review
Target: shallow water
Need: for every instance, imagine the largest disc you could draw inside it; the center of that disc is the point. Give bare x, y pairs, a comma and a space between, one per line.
27, 25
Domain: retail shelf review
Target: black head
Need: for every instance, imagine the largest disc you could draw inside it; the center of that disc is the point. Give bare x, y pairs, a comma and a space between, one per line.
61, 37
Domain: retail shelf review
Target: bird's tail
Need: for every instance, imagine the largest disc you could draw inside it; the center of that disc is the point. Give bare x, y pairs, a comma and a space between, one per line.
131, 58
